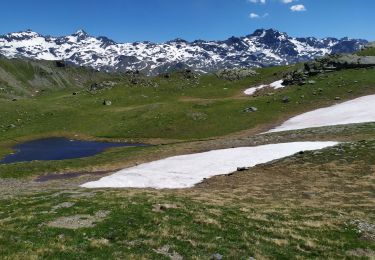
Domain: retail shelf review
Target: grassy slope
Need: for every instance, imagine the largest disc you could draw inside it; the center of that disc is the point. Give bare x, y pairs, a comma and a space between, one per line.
369, 51
297, 207
211, 108
25, 78
177, 109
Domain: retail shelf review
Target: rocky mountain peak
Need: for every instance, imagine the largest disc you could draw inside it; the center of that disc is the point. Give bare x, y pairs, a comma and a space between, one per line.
81, 34
264, 47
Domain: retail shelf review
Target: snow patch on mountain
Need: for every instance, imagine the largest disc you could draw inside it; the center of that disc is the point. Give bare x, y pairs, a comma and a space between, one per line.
262, 48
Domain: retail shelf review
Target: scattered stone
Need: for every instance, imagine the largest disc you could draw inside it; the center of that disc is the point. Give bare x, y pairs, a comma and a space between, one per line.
241, 169
286, 99
311, 82
197, 116
337, 98
163, 207
365, 229
102, 85
107, 102
216, 256
166, 251
250, 109
308, 194
63, 205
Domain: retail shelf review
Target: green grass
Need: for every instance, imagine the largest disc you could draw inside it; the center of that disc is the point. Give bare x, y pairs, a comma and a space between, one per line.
259, 213
176, 109
207, 109
205, 221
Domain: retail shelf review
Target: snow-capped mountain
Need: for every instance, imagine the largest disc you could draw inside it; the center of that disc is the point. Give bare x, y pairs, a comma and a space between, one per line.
262, 48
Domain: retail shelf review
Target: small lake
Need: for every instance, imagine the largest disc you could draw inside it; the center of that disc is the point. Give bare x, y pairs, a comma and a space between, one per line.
59, 148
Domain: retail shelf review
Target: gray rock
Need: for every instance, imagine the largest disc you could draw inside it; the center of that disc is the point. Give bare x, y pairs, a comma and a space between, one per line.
216, 256
286, 99
107, 102
308, 194
250, 109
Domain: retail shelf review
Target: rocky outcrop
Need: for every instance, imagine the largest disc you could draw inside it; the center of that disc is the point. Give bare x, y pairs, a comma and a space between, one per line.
102, 85
235, 74
327, 64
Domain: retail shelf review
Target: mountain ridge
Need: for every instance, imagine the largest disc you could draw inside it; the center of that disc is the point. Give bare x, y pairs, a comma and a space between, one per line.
264, 47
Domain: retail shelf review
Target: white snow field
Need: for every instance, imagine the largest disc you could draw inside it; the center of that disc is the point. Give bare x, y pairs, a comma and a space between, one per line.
275, 85
187, 170
358, 110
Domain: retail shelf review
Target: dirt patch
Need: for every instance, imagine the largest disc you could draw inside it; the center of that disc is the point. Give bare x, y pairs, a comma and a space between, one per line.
70, 175
79, 221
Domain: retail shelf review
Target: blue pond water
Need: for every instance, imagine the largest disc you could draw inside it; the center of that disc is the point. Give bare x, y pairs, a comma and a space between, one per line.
58, 148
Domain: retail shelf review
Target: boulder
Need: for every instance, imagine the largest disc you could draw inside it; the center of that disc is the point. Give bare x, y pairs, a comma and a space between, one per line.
250, 109
286, 99
60, 64
107, 102
216, 256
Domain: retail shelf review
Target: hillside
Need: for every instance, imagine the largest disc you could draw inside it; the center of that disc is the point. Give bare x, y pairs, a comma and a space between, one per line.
20, 78
259, 49
309, 205
368, 50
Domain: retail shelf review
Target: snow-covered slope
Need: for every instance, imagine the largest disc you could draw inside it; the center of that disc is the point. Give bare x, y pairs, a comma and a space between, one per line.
185, 171
350, 112
262, 48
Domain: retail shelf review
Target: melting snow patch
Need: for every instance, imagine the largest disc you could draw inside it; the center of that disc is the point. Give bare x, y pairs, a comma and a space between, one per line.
275, 85
354, 111
187, 170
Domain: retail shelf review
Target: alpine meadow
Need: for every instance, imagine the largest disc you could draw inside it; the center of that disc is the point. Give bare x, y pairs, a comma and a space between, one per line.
259, 146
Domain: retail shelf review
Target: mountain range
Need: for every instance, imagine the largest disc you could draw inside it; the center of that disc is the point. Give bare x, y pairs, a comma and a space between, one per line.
264, 47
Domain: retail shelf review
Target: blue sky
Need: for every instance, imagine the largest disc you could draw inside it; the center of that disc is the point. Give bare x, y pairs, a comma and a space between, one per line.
161, 20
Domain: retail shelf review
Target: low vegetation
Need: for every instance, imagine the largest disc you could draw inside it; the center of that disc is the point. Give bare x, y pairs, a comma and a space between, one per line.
311, 205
